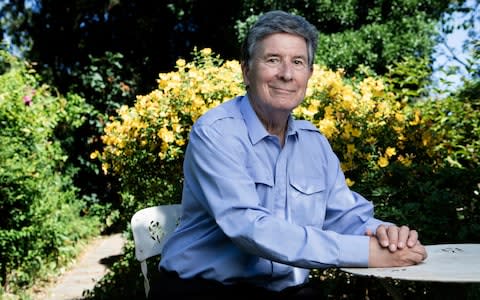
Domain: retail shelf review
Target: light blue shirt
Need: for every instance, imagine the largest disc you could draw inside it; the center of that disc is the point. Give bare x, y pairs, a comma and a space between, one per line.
256, 212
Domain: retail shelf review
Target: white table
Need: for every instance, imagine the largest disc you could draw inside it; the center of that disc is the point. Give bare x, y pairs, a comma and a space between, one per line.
448, 263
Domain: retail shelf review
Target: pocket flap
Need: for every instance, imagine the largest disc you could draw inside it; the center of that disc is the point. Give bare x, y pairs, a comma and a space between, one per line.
307, 185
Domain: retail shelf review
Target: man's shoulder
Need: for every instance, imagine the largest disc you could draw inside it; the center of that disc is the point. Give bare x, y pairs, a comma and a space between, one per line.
309, 131
227, 110
306, 125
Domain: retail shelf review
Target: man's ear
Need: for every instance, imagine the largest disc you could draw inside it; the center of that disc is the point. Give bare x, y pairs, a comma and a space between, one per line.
311, 72
245, 70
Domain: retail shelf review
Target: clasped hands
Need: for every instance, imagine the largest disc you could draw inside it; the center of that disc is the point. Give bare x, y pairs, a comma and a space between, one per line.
393, 246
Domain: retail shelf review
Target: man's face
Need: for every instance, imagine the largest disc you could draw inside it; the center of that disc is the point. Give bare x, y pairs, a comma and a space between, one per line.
279, 72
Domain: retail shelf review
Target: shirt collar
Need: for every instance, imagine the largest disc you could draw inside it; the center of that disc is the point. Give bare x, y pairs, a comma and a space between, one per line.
256, 130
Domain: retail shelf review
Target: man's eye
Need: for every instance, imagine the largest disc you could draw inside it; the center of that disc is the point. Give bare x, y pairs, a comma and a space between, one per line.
298, 62
273, 61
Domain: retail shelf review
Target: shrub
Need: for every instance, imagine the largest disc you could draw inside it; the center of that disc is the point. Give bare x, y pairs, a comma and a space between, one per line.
144, 145
40, 216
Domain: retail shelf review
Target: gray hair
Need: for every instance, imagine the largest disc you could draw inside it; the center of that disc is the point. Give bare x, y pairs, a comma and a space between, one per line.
278, 21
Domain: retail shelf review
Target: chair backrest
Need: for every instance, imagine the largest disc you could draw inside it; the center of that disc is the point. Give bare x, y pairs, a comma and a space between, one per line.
151, 227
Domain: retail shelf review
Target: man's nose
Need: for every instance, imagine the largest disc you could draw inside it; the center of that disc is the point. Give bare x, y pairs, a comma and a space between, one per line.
286, 70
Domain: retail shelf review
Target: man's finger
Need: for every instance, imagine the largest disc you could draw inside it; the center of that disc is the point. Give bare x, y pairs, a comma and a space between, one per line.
403, 236
392, 232
412, 238
382, 235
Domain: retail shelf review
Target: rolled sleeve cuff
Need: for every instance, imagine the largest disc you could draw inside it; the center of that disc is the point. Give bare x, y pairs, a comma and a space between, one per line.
353, 251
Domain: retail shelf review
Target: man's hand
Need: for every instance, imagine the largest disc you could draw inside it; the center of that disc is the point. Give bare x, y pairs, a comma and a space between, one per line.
380, 256
395, 237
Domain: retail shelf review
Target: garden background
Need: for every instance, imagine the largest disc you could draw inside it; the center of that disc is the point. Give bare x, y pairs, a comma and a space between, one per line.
97, 99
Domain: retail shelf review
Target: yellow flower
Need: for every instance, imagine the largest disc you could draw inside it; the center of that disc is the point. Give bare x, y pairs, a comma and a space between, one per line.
94, 154
327, 127
349, 182
312, 109
400, 117
371, 140
382, 162
350, 149
390, 152
328, 112
105, 167
180, 142
177, 128
356, 132
348, 99
166, 135
426, 138
416, 121
206, 51
406, 161
181, 62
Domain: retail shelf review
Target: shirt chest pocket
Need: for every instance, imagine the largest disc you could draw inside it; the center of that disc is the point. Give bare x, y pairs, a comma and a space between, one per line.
307, 200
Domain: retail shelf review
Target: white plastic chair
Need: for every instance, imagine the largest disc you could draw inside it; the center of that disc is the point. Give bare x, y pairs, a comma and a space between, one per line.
151, 227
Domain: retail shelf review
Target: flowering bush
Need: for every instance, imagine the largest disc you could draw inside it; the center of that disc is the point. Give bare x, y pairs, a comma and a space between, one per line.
366, 125
144, 144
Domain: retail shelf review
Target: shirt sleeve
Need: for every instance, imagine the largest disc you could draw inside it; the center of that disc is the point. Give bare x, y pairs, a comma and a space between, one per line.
347, 212
216, 172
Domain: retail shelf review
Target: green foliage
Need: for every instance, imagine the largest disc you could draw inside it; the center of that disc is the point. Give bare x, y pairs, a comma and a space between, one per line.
375, 34
40, 222
409, 78
443, 183
62, 36
456, 123
376, 45
105, 84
